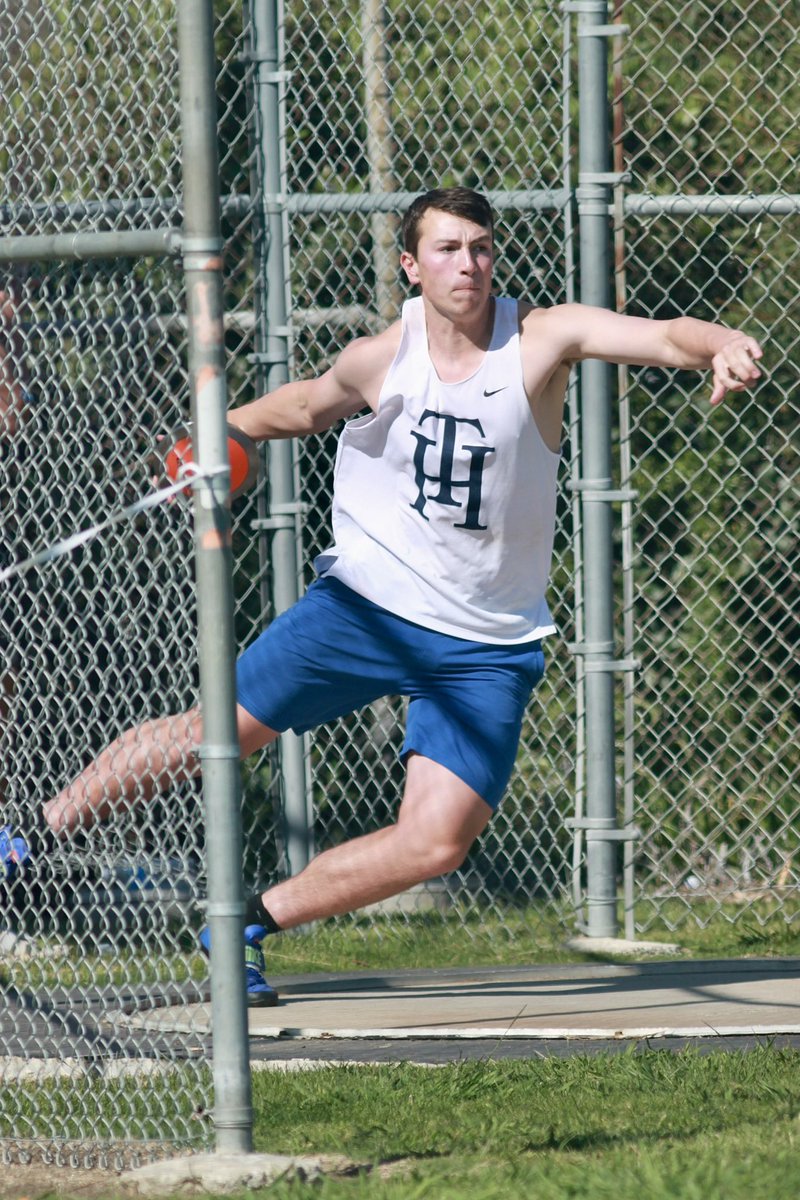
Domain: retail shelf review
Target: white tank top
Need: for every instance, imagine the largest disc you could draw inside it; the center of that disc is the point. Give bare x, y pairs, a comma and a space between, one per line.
444, 499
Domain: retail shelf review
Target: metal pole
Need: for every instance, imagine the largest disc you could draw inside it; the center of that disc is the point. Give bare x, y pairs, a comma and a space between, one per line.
377, 115
626, 512
574, 424
594, 195
272, 355
219, 753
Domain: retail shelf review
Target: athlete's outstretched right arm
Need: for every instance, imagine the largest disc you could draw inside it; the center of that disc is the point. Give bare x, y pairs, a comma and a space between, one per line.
312, 405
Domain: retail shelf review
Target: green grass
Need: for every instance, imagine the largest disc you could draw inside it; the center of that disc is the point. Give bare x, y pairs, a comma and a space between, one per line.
154, 1108
515, 938
510, 937
648, 1125
425, 941
706, 930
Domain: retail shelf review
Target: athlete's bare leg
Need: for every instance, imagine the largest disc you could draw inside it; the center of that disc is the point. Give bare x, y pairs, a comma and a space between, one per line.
139, 764
439, 819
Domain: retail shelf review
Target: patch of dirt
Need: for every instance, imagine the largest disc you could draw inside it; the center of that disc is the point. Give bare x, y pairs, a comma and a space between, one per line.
35, 1180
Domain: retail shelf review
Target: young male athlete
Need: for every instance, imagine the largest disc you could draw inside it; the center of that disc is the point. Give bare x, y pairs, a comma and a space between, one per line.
443, 516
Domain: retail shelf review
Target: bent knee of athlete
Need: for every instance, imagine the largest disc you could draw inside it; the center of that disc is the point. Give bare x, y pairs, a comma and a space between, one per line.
446, 856
440, 816
435, 851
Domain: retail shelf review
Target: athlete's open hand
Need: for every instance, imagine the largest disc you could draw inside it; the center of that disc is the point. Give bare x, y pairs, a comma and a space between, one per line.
735, 367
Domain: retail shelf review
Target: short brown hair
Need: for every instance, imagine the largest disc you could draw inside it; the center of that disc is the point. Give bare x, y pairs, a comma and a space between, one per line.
460, 201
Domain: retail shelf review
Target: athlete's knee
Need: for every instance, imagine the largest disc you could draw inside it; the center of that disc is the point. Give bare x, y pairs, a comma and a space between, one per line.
447, 857
442, 820
439, 853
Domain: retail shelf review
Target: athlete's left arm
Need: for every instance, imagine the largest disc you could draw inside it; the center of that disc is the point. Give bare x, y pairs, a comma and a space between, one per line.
684, 342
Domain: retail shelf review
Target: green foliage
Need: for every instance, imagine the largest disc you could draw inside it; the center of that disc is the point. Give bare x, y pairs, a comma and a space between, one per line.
708, 105
464, 88
708, 96
83, 74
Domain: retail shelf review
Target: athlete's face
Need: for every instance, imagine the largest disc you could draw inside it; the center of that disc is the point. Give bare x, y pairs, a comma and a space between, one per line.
452, 264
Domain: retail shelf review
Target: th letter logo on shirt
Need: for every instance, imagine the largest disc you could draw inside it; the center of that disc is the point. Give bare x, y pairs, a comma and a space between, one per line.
441, 451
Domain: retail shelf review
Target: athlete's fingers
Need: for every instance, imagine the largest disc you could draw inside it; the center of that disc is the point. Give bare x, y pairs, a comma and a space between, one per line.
735, 367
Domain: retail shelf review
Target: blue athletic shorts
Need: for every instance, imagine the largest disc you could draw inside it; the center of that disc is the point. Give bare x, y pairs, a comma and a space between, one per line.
334, 652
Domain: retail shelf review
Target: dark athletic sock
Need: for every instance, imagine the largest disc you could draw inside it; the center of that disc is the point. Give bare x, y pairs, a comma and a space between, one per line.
256, 914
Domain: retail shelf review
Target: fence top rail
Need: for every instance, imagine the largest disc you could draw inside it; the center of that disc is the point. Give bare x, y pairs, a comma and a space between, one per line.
80, 246
370, 202
23, 246
767, 204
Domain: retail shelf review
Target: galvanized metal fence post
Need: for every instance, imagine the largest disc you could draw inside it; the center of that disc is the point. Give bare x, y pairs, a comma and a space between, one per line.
272, 358
594, 194
233, 1116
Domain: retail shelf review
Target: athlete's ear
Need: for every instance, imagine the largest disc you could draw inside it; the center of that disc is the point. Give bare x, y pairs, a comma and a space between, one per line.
409, 265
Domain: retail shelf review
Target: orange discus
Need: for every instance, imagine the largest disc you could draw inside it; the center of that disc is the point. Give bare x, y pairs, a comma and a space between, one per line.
242, 456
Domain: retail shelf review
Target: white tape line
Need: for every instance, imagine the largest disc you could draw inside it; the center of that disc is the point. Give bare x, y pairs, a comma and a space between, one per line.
190, 476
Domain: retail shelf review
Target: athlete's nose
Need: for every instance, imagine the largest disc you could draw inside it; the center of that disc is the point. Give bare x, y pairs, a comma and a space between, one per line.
468, 260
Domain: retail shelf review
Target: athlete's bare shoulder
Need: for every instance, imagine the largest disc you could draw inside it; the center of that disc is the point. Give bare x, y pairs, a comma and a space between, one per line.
363, 364
545, 369
543, 320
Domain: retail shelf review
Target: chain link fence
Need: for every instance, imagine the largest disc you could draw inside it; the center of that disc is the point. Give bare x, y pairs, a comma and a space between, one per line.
377, 100
705, 223
100, 929
710, 225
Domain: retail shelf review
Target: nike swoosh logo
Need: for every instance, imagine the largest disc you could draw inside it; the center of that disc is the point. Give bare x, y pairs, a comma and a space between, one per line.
494, 391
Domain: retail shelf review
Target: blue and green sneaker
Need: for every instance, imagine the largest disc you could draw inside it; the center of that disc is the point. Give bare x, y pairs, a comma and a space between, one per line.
259, 992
